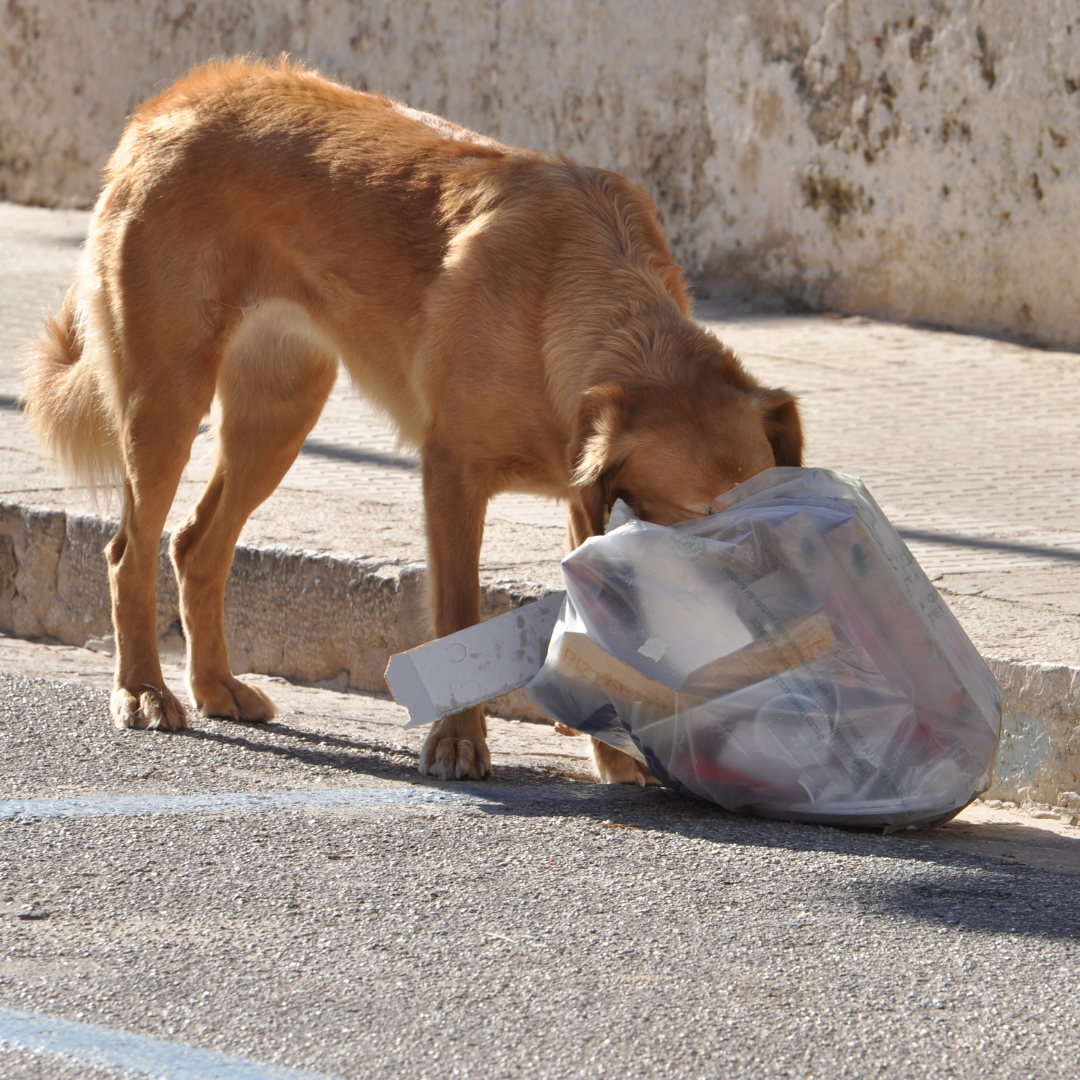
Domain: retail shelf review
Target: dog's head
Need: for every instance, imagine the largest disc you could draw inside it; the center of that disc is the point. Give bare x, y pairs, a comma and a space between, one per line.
669, 448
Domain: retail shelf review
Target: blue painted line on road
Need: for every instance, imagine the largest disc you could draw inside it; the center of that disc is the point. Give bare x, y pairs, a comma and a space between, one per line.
106, 1048
314, 799
232, 801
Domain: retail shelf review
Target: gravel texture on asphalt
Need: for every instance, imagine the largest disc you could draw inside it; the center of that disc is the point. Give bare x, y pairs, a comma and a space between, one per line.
608, 931
25, 1066
78, 750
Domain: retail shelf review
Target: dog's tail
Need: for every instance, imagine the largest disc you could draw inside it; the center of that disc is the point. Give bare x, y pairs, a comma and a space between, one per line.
66, 400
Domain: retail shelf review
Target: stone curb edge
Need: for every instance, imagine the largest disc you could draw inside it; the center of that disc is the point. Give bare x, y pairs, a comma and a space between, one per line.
336, 619
309, 616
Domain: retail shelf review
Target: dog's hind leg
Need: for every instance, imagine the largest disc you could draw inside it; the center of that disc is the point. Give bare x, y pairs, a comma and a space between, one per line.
271, 388
454, 501
156, 434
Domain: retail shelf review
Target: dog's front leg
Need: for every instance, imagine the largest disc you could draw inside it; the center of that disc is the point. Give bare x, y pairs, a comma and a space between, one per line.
613, 765
455, 500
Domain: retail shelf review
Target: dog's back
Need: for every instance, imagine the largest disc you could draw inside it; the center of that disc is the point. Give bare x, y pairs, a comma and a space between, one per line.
379, 223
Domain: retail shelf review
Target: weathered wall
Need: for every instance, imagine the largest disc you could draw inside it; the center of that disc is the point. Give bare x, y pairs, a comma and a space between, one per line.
908, 158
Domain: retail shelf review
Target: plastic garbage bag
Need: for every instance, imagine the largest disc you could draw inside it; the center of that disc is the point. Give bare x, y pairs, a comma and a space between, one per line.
786, 655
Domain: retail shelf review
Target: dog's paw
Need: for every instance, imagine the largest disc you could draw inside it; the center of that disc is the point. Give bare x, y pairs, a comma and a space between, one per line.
227, 698
456, 749
155, 707
615, 767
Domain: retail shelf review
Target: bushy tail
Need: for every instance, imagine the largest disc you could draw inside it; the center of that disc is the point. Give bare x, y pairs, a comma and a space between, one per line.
66, 403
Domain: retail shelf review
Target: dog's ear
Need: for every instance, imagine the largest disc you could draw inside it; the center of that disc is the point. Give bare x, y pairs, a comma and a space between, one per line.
602, 414
782, 426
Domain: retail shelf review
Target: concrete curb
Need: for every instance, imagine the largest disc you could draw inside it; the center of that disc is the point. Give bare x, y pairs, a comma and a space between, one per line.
1039, 757
331, 618
302, 615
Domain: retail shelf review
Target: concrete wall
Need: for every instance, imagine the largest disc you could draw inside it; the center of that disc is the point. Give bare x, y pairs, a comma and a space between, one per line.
914, 159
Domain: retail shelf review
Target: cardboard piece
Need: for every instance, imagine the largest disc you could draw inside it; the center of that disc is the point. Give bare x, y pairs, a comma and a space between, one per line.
473, 665
787, 647
581, 659
578, 657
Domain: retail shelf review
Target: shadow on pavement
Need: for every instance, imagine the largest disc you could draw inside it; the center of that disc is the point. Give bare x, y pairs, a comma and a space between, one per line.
993, 901
531, 789
1001, 852
310, 748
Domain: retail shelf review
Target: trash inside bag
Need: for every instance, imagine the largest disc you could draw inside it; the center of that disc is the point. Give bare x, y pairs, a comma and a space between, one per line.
786, 656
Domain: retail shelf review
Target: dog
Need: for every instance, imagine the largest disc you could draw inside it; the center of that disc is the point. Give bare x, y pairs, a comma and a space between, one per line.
519, 317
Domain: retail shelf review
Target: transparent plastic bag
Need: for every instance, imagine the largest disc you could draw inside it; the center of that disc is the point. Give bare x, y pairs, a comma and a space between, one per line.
786, 655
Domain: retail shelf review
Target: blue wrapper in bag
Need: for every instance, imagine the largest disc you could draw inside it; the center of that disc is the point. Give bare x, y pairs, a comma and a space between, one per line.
785, 655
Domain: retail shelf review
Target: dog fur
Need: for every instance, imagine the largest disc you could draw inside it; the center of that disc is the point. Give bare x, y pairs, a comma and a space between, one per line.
518, 316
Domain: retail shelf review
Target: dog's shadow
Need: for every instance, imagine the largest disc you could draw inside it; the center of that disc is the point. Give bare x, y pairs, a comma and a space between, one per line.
348, 754
312, 748
962, 887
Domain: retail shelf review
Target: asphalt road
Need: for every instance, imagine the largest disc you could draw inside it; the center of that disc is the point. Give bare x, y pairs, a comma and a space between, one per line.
532, 927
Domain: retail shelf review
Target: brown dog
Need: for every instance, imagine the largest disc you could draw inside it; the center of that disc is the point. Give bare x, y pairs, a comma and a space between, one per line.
518, 316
